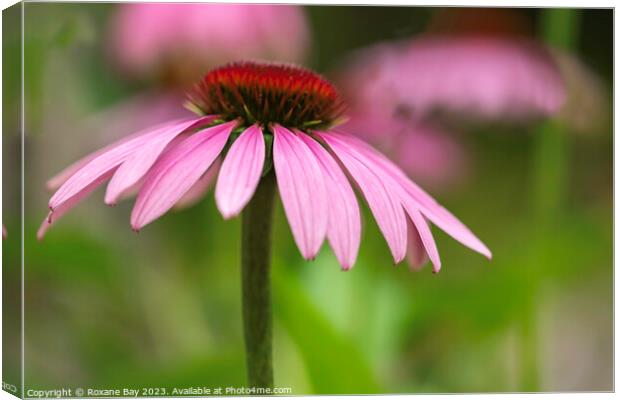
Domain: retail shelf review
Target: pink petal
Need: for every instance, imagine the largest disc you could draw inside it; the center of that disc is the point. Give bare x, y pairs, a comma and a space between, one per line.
111, 159
57, 180
425, 203
426, 236
416, 255
135, 188
137, 165
149, 109
200, 188
177, 171
241, 172
380, 196
302, 189
344, 222
61, 210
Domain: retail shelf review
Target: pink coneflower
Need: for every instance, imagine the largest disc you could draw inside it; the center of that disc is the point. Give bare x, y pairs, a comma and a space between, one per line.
267, 123
255, 114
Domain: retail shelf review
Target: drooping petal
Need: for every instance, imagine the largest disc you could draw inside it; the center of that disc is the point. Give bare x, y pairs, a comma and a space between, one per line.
58, 212
241, 172
426, 236
416, 254
200, 188
302, 189
138, 163
177, 171
133, 190
441, 217
344, 222
381, 198
57, 180
95, 169
111, 159
148, 109
428, 206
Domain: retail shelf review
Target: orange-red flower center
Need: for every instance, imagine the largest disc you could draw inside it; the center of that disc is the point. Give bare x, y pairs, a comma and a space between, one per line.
268, 93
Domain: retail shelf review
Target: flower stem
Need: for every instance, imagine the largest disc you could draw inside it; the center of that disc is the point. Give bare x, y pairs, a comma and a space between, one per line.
560, 29
551, 166
255, 283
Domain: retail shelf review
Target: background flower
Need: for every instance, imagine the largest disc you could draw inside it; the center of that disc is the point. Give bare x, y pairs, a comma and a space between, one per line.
178, 42
471, 65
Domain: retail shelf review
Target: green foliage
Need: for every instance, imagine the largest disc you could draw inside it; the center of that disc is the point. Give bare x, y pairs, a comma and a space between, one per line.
335, 364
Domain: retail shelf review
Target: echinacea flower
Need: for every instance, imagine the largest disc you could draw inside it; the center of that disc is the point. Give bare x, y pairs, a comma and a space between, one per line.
258, 117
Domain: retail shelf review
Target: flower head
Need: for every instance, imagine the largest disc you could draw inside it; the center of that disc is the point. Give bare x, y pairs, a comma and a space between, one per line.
246, 106
268, 93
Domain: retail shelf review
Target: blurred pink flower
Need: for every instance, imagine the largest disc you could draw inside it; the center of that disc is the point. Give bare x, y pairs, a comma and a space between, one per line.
397, 90
185, 39
243, 106
475, 77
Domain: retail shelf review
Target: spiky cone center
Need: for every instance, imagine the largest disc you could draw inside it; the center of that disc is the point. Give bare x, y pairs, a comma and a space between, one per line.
268, 93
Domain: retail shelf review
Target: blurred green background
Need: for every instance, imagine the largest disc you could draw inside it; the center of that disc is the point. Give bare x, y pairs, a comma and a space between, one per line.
105, 307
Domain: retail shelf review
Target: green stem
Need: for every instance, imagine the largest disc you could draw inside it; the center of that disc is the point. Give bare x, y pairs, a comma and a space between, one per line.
255, 282
559, 29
